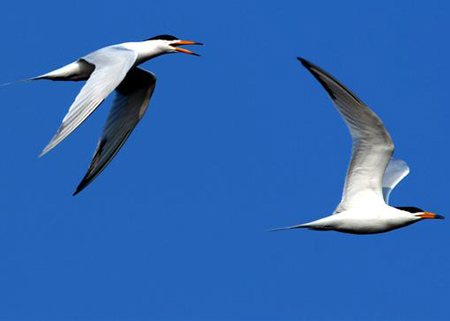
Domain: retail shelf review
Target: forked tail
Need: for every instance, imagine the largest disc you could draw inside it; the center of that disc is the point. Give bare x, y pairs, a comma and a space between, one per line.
17, 82
288, 228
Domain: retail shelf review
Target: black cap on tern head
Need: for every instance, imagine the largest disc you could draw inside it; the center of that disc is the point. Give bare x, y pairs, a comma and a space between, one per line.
163, 37
411, 209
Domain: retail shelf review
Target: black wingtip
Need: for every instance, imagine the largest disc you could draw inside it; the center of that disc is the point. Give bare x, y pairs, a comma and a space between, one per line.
77, 191
320, 74
309, 65
80, 187
312, 69
305, 62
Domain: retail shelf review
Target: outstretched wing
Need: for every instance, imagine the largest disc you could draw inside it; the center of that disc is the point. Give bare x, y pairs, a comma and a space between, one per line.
396, 170
130, 104
111, 65
372, 144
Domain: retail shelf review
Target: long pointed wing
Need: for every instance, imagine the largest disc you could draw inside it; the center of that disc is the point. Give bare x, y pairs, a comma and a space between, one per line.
372, 145
396, 170
111, 66
130, 104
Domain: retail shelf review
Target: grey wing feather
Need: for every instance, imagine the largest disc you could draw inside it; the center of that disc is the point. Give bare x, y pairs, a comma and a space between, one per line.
130, 103
396, 170
111, 66
372, 144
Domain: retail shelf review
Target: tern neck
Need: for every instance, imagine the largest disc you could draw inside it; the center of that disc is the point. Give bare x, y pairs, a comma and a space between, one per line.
146, 50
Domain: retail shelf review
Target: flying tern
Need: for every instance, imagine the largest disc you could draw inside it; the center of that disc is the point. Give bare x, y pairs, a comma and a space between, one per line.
372, 173
112, 68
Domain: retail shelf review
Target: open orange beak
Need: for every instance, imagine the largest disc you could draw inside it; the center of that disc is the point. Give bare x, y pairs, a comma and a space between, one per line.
430, 215
186, 42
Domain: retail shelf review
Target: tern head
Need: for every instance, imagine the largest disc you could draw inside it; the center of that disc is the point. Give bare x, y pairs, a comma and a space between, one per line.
170, 44
419, 213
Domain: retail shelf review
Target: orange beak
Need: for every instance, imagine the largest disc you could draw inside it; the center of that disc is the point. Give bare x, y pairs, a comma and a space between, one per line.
430, 215
186, 42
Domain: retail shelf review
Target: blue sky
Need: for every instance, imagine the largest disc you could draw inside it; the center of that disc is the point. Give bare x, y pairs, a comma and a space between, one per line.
235, 142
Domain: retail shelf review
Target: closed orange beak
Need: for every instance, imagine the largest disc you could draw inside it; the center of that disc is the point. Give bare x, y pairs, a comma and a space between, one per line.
430, 215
